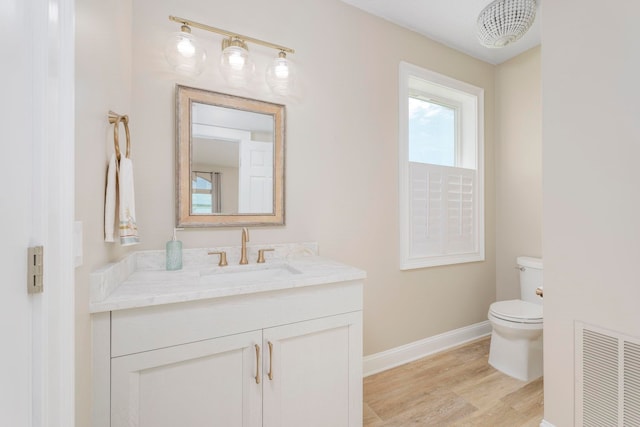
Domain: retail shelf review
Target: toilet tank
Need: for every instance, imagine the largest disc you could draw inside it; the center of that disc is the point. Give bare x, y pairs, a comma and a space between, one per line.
530, 278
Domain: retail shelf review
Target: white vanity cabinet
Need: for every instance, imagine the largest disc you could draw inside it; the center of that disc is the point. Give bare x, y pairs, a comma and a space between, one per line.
286, 358
203, 383
310, 370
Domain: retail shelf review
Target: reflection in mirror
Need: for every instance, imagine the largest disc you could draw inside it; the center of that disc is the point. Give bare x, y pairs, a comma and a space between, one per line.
237, 146
205, 192
231, 149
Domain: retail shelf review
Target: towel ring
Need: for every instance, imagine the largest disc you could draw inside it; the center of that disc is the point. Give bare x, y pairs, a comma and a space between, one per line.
115, 119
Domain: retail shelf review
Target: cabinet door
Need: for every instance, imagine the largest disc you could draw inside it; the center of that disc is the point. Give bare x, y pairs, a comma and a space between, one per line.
313, 373
205, 383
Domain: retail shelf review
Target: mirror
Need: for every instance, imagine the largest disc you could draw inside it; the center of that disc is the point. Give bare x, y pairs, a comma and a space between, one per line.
230, 160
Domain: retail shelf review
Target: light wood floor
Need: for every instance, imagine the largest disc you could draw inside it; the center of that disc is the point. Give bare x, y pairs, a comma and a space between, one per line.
453, 388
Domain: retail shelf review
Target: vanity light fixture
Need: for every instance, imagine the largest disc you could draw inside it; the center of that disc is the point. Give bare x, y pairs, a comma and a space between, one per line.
280, 75
184, 53
503, 22
236, 65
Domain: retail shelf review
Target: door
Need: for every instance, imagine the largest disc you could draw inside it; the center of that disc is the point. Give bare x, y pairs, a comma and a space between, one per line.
37, 331
312, 374
256, 177
16, 176
214, 382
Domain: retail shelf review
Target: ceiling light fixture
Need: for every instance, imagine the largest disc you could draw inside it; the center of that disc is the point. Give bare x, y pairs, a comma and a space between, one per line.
236, 66
503, 22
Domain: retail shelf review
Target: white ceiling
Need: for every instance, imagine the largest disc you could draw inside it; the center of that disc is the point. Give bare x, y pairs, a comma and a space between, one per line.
450, 22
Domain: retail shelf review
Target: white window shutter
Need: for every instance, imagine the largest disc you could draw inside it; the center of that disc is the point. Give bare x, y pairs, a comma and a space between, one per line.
427, 203
460, 211
442, 210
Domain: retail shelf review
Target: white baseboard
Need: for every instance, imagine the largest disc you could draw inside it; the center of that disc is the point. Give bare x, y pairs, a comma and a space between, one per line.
388, 359
545, 423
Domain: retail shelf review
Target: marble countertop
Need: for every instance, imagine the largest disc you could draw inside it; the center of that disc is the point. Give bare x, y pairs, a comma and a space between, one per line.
140, 279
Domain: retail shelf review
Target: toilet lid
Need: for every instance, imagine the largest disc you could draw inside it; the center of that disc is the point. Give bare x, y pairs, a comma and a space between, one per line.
517, 311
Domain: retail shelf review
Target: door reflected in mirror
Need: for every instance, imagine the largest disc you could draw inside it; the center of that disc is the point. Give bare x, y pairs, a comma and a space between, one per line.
230, 160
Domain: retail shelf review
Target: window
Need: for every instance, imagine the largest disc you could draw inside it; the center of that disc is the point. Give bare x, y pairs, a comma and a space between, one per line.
205, 192
432, 132
441, 170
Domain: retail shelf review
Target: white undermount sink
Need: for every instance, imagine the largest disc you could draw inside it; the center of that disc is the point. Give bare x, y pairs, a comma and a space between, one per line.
251, 271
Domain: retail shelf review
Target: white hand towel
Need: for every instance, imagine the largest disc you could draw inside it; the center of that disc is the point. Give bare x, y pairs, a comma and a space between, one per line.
128, 226
110, 201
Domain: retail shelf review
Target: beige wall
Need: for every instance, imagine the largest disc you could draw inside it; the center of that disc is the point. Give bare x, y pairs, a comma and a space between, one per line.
342, 173
518, 167
103, 83
591, 204
341, 183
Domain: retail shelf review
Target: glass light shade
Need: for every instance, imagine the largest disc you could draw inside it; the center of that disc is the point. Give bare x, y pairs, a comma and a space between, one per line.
185, 54
236, 66
280, 75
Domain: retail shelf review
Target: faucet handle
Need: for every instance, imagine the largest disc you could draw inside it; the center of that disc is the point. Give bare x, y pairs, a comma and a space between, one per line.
261, 254
223, 257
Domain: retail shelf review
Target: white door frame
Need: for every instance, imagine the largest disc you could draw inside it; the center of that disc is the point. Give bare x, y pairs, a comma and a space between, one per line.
53, 401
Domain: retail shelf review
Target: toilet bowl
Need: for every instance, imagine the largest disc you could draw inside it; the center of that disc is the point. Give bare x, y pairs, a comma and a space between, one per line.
516, 337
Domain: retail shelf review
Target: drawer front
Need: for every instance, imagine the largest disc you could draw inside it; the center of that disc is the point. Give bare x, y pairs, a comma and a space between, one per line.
149, 328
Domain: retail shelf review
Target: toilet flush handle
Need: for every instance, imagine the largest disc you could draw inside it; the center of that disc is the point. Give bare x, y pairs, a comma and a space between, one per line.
539, 292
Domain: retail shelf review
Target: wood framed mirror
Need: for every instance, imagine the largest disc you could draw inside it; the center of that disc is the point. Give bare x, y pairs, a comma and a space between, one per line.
230, 160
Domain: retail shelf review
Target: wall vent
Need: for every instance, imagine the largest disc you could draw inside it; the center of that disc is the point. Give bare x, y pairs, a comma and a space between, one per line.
607, 378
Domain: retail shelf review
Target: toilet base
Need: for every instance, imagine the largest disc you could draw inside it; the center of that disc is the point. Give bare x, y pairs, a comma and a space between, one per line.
517, 353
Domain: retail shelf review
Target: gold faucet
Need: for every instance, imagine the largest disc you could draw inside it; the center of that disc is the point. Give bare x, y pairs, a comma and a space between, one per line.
245, 239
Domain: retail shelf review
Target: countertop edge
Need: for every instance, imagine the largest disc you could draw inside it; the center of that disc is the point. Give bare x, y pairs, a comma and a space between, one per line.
149, 301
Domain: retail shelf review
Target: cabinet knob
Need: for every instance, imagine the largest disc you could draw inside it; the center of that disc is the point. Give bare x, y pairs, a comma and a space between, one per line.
539, 292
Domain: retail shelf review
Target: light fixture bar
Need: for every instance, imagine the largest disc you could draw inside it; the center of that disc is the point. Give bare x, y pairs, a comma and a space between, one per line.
230, 34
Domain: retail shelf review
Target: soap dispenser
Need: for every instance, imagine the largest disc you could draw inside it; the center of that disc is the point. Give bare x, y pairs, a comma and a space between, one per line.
174, 252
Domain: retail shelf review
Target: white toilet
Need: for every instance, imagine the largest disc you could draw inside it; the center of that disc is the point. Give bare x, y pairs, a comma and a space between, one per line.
516, 339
